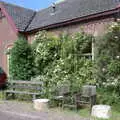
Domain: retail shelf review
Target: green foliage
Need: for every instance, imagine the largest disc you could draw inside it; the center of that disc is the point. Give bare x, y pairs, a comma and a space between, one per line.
59, 60
107, 97
45, 51
21, 60
108, 64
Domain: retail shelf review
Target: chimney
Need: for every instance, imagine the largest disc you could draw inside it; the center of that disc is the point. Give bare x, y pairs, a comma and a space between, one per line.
53, 8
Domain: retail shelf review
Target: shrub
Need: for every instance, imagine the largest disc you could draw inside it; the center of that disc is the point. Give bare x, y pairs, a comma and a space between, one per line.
60, 60
21, 60
45, 51
107, 97
108, 63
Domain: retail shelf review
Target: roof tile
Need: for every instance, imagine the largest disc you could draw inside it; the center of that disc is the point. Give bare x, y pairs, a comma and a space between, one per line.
27, 19
70, 9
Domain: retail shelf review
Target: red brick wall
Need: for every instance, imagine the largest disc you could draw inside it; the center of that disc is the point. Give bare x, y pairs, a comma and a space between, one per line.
7, 38
95, 27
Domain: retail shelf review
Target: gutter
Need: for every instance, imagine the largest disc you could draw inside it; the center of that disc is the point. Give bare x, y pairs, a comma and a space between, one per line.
51, 26
76, 20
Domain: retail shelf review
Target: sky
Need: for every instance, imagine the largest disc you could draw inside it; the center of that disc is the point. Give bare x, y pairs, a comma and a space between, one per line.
33, 4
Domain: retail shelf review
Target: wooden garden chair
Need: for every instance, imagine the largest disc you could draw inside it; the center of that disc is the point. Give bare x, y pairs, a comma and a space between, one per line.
86, 97
60, 94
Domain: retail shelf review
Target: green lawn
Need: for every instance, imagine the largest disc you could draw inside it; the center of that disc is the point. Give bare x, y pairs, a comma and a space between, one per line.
1, 95
85, 113
115, 114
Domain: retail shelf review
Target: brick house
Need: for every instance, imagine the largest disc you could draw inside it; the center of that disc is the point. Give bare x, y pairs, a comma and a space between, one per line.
67, 16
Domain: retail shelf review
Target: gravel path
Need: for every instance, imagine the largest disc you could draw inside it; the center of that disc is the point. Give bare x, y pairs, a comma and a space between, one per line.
10, 110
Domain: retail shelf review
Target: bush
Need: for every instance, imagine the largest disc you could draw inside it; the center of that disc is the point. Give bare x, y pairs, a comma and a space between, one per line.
107, 97
108, 64
45, 51
60, 60
21, 60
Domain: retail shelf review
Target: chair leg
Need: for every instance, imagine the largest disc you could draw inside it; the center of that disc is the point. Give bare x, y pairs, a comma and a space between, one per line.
5, 96
13, 95
76, 106
34, 97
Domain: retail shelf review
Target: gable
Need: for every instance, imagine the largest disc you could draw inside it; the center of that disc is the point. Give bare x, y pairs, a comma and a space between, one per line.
7, 32
1, 14
21, 16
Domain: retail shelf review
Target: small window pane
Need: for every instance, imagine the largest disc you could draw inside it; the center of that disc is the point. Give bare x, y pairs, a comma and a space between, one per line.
1, 15
1, 70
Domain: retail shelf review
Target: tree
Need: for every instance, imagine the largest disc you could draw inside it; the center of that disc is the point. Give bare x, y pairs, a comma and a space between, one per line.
21, 60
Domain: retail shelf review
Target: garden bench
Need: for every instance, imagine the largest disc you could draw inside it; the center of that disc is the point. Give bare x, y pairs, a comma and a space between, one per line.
24, 87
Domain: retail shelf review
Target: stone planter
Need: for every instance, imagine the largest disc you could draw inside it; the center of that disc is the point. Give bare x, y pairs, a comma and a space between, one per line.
101, 111
41, 104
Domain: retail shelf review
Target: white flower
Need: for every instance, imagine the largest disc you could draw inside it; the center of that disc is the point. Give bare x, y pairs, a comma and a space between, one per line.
113, 83
103, 69
104, 83
108, 80
112, 26
117, 57
116, 37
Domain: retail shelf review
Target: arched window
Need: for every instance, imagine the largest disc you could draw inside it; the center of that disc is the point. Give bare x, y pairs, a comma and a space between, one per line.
8, 59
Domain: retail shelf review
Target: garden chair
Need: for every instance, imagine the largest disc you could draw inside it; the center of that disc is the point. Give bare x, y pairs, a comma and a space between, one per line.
86, 97
60, 93
69, 100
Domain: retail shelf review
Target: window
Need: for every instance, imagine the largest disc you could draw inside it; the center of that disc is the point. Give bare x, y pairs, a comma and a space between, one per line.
1, 71
1, 14
8, 58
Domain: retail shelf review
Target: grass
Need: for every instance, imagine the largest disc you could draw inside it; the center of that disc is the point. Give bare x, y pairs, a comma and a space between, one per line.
85, 113
1, 95
115, 114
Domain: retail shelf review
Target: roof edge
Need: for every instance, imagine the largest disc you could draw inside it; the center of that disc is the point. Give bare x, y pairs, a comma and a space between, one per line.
80, 19
30, 21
